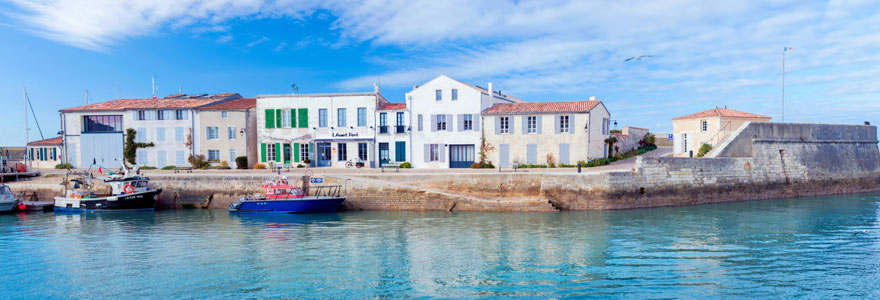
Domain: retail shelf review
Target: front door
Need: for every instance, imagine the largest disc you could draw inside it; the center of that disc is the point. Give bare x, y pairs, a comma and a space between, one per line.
324, 154
286, 154
384, 155
400, 151
461, 156
504, 159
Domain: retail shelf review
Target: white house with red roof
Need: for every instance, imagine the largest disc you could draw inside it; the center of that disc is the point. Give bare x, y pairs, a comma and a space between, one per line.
94, 134
540, 133
393, 134
446, 124
711, 126
45, 154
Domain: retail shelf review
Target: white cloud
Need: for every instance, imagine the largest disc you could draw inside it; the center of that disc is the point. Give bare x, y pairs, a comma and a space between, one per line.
226, 38
258, 41
280, 46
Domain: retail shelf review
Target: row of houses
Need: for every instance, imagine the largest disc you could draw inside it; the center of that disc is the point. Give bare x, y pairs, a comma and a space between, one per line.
443, 123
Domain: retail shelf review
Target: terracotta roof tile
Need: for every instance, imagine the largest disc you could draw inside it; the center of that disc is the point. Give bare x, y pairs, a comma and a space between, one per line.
47, 142
160, 103
722, 112
391, 106
541, 107
240, 103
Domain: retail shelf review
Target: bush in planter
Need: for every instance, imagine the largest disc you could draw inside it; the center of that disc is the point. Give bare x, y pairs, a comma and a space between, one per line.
64, 166
241, 162
168, 168
406, 165
260, 166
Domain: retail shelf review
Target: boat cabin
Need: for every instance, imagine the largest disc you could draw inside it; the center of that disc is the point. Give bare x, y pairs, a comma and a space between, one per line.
6, 193
282, 191
129, 185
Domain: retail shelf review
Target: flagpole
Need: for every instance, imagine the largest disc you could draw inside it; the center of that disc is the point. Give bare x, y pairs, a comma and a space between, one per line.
784, 49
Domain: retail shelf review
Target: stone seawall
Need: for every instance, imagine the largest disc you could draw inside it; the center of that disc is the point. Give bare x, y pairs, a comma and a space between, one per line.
784, 160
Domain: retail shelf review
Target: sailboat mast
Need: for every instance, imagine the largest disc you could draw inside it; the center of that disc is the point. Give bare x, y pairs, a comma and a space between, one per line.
26, 139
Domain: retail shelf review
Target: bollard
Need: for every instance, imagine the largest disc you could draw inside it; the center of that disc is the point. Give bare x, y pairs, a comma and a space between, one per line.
579, 167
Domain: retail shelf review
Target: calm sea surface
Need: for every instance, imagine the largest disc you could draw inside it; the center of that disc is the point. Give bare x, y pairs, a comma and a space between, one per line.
821, 248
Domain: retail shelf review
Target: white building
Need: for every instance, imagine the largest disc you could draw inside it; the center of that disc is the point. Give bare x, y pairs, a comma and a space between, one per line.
445, 114
95, 133
546, 132
393, 133
325, 130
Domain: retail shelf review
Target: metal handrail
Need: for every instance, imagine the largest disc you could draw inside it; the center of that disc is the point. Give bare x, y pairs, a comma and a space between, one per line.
324, 190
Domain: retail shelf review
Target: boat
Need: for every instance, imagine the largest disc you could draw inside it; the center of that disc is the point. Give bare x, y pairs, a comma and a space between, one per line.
282, 197
8, 202
128, 191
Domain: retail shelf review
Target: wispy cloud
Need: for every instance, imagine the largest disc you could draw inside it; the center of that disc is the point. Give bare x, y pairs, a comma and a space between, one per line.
258, 41
223, 39
280, 46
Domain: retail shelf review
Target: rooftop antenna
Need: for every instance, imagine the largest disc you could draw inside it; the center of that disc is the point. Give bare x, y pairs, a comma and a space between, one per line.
180, 89
87, 97
294, 87
154, 87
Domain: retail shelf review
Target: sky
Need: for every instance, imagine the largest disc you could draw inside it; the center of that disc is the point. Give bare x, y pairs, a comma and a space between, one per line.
703, 54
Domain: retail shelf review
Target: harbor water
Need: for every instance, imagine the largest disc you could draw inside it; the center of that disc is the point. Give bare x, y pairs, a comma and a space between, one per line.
825, 247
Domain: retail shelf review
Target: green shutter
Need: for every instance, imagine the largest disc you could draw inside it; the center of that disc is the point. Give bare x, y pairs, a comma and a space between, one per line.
54, 154
400, 151
32, 154
296, 152
277, 118
292, 118
304, 118
270, 119
263, 152
312, 150
278, 150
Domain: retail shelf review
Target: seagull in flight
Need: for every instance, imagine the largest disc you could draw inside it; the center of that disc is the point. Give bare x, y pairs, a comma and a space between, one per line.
637, 57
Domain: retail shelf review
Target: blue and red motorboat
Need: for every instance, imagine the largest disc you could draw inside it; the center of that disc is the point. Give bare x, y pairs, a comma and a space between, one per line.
281, 197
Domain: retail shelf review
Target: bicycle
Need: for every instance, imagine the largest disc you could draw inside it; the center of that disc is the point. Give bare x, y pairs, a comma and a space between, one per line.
354, 163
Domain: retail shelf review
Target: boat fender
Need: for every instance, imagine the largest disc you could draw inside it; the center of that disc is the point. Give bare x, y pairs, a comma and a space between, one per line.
22, 206
128, 189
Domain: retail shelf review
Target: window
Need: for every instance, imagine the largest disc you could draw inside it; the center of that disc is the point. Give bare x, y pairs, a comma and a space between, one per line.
439, 95
564, 124
468, 122
285, 118
178, 114
322, 117
142, 115
362, 151
213, 133
454, 94
362, 116
704, 125
303, 151
420, 122
224, 114
230, 132
160, 115
213, 155
384, 153
340, 117
533, 124
231, 156
400, 127
441, 122
505, 125
383, 119
434, 152
270, 152
93, 124
141, 134
342, 151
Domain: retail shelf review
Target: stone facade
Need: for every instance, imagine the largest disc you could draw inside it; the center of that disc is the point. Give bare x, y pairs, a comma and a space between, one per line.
228, 133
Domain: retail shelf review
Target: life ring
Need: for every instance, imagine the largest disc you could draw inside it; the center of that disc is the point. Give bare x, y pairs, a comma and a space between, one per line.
128, 189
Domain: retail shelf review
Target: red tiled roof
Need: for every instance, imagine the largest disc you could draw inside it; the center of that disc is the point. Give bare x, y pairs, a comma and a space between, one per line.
160, 103
47, 142
391, 106
541, 107
722, 112
240, 103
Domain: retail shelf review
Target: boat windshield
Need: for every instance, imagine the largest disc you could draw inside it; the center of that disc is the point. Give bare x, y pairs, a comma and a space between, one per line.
5, 190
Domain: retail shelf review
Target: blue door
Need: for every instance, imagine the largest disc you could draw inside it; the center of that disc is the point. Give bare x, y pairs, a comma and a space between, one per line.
461, 156
384, 155
324, 154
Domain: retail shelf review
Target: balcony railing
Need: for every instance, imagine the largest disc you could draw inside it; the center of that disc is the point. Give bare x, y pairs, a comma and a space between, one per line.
383, 129
400, 129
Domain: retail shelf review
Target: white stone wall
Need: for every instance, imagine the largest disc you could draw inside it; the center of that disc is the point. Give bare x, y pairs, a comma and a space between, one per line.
392, 137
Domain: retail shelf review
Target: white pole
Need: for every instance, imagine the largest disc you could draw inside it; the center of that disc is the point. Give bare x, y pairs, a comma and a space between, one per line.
26, 138
783, 85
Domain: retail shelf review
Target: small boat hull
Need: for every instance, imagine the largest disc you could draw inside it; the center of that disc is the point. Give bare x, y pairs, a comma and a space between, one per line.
7, 206
298, 205
136, 201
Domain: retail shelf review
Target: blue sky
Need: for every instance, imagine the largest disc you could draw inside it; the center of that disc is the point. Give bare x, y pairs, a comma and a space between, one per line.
705, 53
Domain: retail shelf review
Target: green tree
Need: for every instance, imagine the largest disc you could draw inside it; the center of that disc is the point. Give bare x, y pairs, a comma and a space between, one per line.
611, 141
649, 139
130, 151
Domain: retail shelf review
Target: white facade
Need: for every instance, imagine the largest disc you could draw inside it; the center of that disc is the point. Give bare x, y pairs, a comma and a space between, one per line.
439, 136
392, 138
329, 129
168, 134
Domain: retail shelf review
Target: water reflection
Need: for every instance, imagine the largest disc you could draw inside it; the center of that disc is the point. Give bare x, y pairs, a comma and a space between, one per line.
785, 248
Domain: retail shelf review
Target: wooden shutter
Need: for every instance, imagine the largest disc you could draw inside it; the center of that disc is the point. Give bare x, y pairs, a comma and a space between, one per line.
303, 118
262, 152
292, 118
270, 119
278, 118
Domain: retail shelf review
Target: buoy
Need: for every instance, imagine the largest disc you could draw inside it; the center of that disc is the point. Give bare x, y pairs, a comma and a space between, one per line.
22, 206
128, 189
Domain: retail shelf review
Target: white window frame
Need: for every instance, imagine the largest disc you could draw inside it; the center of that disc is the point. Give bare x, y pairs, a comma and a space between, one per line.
142, 115
341, 120
504, 123
216, 133
178, 114
441, 123
230, 132
322, 117
341, 151
532, 122
303, 151
270, 152
468, 122
160, 115
362, 153
434, 152
421, 119
210, 152
224, 114
285, 118
564, 124
362, 118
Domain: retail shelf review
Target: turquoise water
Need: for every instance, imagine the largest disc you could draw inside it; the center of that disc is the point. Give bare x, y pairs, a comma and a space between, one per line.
776, 249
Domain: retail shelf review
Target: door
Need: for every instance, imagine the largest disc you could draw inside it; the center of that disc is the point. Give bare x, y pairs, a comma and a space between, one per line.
461, 156
324, 154
384, 156
504, 159
287, 154
400, 151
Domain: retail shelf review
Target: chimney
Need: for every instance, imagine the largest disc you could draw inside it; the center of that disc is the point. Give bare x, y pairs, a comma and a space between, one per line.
376, 87
415, 86
592, 98
491, 92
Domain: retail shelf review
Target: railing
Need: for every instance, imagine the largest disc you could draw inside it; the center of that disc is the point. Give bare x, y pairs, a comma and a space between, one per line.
400, 129
720, 131
383, 129
324, 190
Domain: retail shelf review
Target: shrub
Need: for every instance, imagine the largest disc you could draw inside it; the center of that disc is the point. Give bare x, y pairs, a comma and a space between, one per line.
582, 163
241, 162
551, 161
567, 166
259, 166
300, 166
64, 166
130, 147
532, 166
198, 162
221, 167
224, 164
618, 157
148, 168
406, 165
169, 168
705, 148
483, 165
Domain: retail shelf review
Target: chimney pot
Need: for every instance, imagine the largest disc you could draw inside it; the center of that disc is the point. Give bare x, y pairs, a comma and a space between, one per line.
491, 91
415, 86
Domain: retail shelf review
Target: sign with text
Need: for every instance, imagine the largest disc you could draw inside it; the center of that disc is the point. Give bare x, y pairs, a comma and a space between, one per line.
670, 136
317, 180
